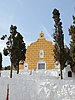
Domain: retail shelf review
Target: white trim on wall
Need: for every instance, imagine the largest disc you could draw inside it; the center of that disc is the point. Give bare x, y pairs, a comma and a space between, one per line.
41, 54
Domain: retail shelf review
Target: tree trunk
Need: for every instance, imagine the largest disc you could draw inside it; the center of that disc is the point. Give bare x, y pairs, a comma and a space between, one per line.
18, 68
11, 71
0, 69
61, 71
61, 64
0, 73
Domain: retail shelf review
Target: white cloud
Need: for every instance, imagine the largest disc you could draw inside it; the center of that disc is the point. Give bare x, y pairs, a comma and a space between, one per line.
46, 32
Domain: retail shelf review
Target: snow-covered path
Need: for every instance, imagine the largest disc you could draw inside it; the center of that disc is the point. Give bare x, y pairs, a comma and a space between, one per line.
38, 86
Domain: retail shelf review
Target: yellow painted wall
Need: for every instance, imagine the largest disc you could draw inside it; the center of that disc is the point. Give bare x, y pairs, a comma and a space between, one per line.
33, 53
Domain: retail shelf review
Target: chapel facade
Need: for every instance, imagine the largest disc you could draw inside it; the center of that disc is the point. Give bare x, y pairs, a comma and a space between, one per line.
39, 55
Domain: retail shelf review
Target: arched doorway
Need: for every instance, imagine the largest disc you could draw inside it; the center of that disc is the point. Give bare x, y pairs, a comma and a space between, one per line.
69, 74
41, 64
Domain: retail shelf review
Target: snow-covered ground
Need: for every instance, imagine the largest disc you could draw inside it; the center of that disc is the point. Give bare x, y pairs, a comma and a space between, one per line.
40, 85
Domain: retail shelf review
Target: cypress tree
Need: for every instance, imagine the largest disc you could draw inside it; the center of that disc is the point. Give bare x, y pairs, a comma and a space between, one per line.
59, 40
72, 44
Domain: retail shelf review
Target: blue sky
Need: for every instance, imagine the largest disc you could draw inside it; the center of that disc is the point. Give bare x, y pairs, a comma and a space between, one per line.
33, 16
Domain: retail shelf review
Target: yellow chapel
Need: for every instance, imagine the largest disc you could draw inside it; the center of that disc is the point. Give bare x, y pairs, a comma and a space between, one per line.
39, 55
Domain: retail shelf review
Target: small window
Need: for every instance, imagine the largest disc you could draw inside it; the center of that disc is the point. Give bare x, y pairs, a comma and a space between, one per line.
25, 65
41, 54
69, 74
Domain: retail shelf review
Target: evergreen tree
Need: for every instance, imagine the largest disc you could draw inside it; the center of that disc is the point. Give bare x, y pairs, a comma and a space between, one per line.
19, 51
56, 53
15, 48
67, 55
72, 45
59, 40
3, 37
0, 61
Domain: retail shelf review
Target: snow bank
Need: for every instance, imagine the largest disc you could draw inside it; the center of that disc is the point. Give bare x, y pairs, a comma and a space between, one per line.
40, 85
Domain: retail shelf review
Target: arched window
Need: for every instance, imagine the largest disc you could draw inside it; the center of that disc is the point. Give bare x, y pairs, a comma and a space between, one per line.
69, 74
